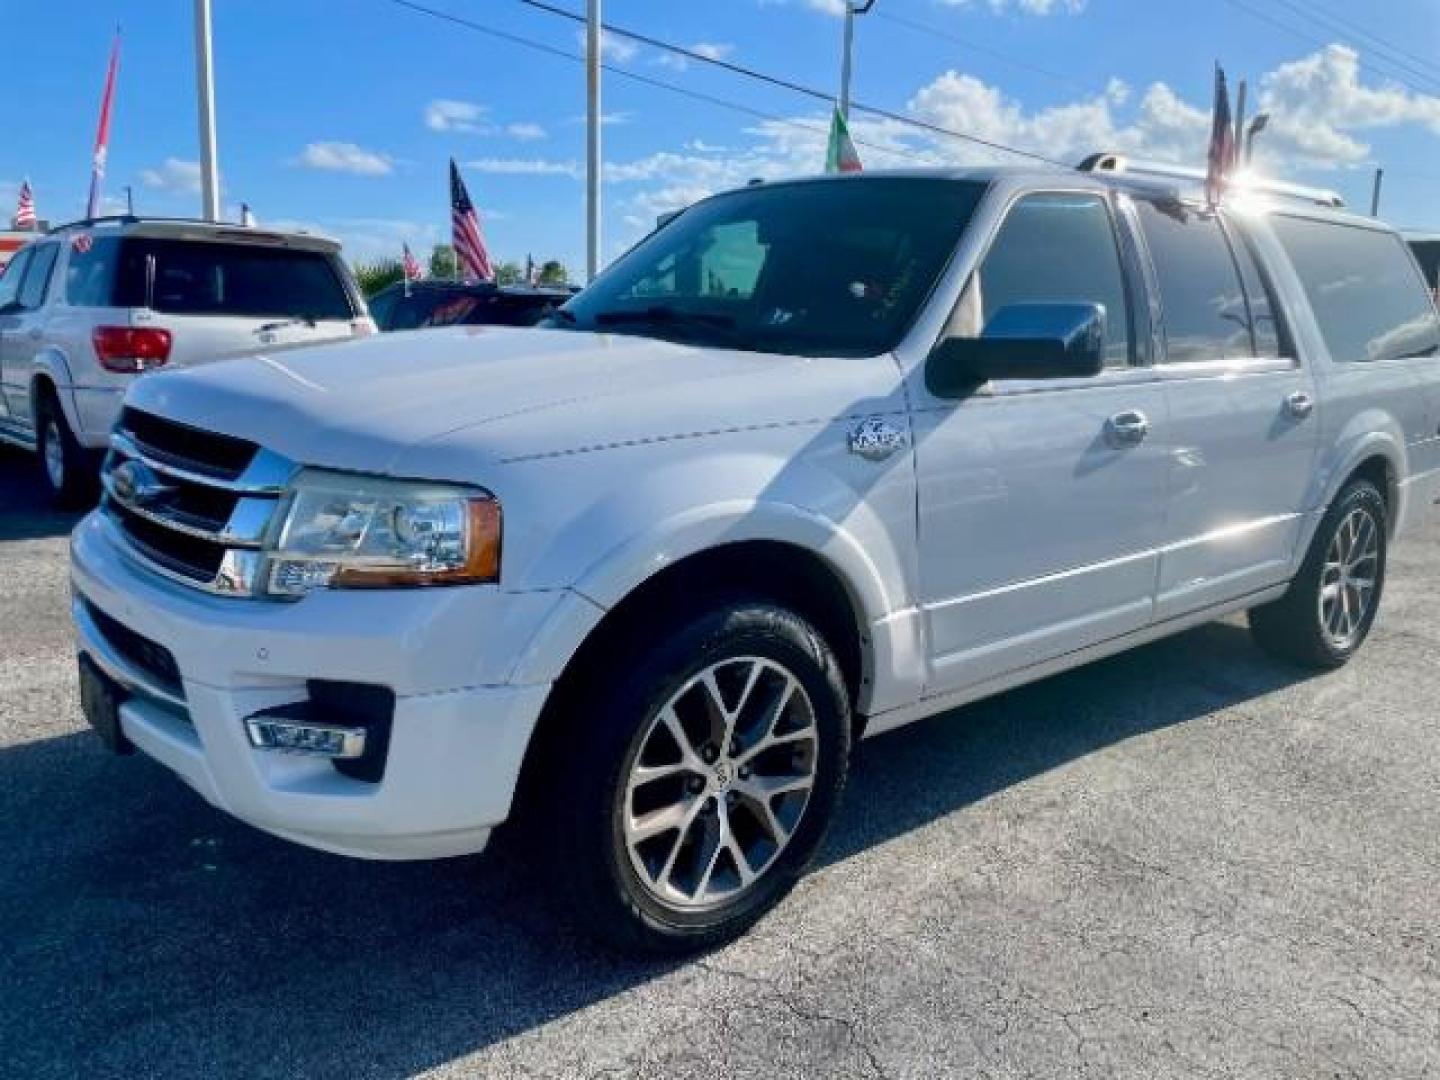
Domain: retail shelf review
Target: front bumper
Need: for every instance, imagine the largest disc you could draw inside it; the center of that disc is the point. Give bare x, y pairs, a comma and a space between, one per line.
461, 721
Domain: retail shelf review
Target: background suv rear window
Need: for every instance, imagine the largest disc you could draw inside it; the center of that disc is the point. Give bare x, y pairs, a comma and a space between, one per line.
201, 278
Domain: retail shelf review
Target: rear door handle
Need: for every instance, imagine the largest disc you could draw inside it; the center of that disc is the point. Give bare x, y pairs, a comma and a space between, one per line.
1127, 428
1299, 404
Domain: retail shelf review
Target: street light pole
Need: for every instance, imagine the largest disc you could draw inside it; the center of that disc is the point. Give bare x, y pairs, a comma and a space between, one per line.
1257, 125
852, 8
205, 93
592, 139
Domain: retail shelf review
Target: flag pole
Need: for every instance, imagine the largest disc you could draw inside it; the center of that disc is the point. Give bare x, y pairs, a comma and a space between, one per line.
592, 138
205, 101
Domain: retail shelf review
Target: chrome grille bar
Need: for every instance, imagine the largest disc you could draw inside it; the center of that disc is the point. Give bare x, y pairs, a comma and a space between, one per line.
191, 525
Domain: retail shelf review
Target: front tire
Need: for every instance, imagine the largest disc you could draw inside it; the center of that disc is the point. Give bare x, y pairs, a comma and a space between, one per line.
699, 769
1326, 614
65, 467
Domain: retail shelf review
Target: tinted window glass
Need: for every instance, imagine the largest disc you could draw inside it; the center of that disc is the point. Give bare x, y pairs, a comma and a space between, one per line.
1363, 287
200, 278
1201, 300
37, 277
1269, 337
382, 306
817, 268
1427, 252
1056, 249
90, 273
12, 277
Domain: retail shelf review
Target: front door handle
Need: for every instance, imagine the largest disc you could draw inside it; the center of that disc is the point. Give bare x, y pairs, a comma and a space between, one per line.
1299, 404
1127, 428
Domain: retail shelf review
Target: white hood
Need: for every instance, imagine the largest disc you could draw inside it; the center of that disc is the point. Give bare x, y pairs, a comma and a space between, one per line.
501, 392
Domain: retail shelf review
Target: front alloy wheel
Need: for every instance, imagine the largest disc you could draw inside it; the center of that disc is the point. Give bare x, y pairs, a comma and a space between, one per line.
721, 779
700, 757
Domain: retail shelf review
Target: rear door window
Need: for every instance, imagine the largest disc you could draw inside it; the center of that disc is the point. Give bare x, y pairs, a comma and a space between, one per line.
37, 276
12, 277
1369, 300
205, 278
1202, 302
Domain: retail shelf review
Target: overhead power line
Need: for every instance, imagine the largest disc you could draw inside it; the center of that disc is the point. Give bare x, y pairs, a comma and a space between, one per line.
646, 80
1401, 57
976, 47
783, 83
1368, 63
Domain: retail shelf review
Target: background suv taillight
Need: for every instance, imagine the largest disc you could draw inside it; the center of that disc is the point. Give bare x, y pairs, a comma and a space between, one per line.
128, 349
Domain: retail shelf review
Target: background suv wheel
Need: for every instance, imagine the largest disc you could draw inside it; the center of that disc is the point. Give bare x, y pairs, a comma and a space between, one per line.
68, 471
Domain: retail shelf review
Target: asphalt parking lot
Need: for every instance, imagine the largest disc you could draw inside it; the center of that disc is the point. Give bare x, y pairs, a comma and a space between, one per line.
1186, 861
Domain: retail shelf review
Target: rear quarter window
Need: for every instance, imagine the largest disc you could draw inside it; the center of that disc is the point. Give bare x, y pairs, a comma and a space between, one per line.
1368, 298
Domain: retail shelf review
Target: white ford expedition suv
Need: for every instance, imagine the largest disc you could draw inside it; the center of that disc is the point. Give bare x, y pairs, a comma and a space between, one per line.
814, 460
88, 307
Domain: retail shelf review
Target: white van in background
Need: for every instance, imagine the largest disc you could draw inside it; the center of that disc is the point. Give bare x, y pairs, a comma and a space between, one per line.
89, 307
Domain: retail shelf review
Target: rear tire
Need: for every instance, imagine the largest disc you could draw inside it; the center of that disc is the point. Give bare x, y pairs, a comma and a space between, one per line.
1326, 614
694, 780
66, 468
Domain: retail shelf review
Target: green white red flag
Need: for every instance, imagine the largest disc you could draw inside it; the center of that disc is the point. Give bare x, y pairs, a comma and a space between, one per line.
841, 155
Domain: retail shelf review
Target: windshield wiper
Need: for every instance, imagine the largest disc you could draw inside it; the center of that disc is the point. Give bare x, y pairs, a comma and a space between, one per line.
664, 315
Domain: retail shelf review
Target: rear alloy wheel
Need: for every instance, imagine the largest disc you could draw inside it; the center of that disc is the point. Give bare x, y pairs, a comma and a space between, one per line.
1327, 612
65, 466
693, 774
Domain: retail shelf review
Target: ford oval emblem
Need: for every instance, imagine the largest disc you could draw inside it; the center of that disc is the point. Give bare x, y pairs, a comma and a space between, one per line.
135, 483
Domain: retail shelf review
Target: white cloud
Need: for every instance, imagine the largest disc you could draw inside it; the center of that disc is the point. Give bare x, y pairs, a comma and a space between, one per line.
345, 157
446, 114
176, 176
525, 131
613, 47
1317, 103
524, 167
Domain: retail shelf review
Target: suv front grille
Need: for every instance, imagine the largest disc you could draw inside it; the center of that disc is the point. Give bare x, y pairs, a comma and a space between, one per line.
185, 447
193, 505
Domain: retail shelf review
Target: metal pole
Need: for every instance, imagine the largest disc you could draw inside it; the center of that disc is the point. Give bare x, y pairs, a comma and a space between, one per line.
845, 62
1375, 193
205, 91
592, 139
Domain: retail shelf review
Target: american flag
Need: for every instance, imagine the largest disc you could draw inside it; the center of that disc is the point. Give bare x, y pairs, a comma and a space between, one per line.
1222, 142
25, 209
413, 272
465, 226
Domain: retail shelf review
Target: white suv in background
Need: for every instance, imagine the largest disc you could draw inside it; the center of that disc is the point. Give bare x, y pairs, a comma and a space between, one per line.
90, 306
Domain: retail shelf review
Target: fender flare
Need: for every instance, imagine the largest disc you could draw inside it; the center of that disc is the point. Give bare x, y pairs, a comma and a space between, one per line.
625, 567
1367, 436
52, 367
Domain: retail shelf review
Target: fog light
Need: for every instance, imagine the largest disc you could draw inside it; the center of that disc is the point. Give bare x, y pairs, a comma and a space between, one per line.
317, 740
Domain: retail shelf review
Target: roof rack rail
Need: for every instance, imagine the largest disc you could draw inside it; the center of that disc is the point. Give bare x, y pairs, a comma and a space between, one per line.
1121, 165
103, 219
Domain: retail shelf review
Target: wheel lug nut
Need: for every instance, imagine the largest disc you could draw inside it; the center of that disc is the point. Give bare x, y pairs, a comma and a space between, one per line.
710, 753
695, 785
734, 747
744, 772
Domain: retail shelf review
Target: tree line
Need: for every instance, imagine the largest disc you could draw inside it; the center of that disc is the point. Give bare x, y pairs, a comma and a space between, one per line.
377, 274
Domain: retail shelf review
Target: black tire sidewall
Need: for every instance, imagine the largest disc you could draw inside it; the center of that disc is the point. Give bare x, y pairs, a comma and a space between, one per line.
1358, 494
618, 906
77, 483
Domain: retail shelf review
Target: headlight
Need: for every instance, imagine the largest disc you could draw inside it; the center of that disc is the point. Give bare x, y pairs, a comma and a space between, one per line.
343, 531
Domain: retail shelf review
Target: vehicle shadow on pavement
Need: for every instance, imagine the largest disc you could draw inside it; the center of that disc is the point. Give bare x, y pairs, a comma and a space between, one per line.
25, 509
147, 934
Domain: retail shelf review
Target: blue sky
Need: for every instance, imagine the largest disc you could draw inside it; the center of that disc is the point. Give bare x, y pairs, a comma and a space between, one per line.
339, 115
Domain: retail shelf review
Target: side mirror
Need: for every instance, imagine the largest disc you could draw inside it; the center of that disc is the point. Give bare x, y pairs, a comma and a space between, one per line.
1021, 341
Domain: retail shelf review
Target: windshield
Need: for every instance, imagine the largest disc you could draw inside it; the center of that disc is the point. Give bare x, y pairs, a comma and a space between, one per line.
835, 268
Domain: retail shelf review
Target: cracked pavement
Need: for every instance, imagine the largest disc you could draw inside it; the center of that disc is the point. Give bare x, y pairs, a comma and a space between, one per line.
1185, 861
